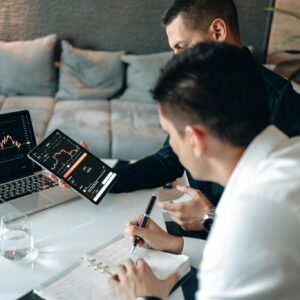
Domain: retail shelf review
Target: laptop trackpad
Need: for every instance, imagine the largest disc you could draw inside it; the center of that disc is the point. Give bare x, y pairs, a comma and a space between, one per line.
31, 203
58, 195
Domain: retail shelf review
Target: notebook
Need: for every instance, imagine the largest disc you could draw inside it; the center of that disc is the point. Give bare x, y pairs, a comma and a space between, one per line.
87, 279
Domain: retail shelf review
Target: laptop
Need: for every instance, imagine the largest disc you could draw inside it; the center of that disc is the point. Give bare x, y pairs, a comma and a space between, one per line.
23, 184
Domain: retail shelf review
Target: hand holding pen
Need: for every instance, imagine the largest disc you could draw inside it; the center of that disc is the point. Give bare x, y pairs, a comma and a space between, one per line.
144, 220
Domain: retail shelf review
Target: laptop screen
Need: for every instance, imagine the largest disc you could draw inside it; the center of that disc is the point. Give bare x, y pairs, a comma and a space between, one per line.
16, 140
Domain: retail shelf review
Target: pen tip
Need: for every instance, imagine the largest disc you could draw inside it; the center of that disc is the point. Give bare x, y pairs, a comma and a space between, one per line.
132, 249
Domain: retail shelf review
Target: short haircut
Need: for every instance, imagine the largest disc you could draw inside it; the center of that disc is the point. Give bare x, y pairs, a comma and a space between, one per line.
198, 14
217, 85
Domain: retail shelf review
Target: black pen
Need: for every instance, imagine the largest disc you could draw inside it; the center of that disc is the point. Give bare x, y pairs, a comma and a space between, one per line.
145, 219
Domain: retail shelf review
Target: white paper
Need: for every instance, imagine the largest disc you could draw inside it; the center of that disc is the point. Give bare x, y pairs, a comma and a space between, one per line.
82, 282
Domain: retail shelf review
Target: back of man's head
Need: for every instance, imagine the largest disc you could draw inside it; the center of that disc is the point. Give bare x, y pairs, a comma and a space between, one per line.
218, 86
199, 14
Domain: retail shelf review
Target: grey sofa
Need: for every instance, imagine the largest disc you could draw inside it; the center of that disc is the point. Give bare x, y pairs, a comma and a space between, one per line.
82, 101
114, 127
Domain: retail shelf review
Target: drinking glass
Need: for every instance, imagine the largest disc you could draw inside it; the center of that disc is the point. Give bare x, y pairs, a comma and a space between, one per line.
16, 241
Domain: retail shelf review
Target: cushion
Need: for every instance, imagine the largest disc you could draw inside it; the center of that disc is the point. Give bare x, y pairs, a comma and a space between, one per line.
1, 100
87, 74
86, 120
142, 74
27, 67
136, 131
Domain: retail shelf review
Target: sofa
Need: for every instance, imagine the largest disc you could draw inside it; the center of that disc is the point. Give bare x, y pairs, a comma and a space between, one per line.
102, 97
84, 96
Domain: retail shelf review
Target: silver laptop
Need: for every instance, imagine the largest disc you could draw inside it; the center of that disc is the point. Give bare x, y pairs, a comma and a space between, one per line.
23, 184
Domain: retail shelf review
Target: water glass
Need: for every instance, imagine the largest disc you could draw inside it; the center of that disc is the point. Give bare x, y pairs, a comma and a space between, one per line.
16, 241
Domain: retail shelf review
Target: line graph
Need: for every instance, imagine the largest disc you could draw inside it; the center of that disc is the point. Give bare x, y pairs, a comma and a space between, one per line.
8, 138
56, 156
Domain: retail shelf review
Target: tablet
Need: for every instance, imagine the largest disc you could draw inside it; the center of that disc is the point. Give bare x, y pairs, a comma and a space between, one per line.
81, 170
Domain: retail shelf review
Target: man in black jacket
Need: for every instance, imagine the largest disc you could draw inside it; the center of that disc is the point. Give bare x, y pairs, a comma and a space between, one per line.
188, 23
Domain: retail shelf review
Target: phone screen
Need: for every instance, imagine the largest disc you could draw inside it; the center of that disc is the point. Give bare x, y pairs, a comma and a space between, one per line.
66, 159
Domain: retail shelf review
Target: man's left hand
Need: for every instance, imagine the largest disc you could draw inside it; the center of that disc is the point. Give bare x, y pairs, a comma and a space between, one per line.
137, 280
190, 213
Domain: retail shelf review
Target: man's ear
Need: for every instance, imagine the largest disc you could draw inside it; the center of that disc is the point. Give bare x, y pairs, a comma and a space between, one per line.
218, 30
196, 138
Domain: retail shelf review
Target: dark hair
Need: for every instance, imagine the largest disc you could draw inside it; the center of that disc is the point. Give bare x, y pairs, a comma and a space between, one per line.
198, 14
217, 85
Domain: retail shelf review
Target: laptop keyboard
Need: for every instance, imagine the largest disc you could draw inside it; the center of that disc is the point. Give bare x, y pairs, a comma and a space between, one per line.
25, 186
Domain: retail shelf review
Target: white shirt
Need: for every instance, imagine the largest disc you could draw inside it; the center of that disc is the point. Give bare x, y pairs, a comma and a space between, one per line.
253, 251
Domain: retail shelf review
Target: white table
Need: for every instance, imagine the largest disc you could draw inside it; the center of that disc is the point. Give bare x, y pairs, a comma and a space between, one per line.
63, 233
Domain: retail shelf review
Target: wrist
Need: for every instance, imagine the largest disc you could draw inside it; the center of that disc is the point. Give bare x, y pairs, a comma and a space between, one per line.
208, 218
174, 244
207, 208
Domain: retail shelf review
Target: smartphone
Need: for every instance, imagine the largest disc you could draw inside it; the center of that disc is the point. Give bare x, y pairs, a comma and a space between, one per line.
82, 171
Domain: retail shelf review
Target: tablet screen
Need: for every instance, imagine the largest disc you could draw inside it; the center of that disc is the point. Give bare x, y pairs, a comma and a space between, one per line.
66, 159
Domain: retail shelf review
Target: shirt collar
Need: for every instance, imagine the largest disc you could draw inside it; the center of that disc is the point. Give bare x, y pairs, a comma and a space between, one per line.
260, 148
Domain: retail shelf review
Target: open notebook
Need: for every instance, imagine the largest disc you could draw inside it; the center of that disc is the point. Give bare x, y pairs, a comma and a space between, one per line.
87, 279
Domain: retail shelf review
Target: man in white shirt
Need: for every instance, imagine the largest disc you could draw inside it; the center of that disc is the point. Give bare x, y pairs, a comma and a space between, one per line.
213, 104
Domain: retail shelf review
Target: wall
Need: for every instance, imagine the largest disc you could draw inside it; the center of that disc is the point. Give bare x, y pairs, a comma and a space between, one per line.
133, 25
282, 27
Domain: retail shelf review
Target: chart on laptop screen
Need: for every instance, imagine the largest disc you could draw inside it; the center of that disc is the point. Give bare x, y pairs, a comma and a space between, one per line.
62, 156
16, 141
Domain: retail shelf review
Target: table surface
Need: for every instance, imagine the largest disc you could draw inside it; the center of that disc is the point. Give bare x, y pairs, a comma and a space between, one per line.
63, 233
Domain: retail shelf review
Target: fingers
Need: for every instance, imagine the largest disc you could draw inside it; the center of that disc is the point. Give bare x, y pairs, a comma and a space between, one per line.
53, 177
129, 229
167, 205
188, 190
146, 234
84, 145
59, 181
176, 210
135, 221
121, 272
63, 185
140, 243
183, 224
138, 231
113, 280
129, 265
141, 264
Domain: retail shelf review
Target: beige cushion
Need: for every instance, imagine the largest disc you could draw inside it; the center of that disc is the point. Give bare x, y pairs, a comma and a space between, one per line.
87, 120
136, 131
1, 100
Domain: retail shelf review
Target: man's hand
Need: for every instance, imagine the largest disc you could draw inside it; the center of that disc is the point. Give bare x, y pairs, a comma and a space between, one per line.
190, 213
60, 181
154, 237
137, 280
